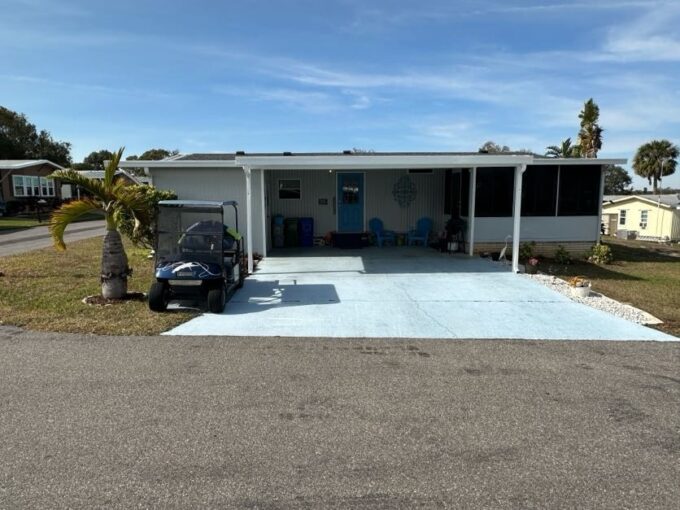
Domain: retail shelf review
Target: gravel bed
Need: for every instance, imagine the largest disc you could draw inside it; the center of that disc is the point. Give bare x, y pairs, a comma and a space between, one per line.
597, 300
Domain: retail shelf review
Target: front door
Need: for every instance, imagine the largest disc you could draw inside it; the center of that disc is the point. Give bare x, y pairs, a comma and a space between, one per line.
350, 202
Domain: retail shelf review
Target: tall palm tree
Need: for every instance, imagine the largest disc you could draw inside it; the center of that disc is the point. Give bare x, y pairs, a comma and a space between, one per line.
590, 135
654, 160
112, 196
564, 150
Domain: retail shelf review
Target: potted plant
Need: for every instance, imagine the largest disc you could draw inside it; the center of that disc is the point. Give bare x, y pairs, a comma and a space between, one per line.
531, 267
580, 286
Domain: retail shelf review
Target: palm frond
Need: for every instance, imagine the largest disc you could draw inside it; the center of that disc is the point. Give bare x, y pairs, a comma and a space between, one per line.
93, 186
66, 214
112, 167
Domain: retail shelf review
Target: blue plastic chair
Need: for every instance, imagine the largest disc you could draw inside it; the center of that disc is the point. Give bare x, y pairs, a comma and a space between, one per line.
381, 235
421, 234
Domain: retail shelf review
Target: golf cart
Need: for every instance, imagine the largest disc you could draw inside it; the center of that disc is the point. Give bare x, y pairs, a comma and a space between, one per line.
197, 255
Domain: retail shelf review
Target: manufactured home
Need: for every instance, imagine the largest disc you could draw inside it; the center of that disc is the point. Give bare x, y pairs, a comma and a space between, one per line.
503, 199
645, 217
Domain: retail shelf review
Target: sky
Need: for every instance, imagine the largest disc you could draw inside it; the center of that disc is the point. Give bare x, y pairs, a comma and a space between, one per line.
329, 75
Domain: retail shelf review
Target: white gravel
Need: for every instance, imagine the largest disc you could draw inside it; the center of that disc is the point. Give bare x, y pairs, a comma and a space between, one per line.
596, 300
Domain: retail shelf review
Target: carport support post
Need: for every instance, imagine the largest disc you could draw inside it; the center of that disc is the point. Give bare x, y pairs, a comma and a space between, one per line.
517, 216
471, 211
249, 218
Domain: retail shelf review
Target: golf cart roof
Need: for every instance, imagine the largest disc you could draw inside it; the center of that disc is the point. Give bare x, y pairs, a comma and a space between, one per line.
207, 204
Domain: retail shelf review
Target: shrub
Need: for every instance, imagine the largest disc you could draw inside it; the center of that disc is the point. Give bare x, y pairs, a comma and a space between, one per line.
144, 237
600, 254
562, 255
526, 250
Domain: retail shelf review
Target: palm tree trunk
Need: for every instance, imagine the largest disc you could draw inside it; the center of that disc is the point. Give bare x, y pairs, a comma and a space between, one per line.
115, 268
655, 187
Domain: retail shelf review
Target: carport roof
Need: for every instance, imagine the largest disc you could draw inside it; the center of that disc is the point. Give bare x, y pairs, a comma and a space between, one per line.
363, 160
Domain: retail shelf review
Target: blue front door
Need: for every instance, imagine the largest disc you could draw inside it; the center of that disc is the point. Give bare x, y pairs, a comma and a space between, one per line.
350, 202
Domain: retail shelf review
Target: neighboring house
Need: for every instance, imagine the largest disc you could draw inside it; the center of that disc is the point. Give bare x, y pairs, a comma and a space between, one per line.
71, 191
24, 181
646, 217
502, 197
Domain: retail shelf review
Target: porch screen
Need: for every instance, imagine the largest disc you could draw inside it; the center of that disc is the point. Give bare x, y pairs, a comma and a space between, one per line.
495, 187
539, 190
579, 190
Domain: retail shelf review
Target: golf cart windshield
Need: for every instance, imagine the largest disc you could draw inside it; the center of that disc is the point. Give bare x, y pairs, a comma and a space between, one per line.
190, 235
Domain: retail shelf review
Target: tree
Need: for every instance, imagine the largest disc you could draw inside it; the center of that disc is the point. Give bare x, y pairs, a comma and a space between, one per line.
590, 135
150, 155
564, 150
655, 160
492, 147
616, 180
94, 160
112, 196
153, 155
143, 235
19, 139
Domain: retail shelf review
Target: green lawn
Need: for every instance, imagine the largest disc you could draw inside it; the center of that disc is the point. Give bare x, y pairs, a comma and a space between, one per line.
42, 290
646, 275
18, 223
24, 222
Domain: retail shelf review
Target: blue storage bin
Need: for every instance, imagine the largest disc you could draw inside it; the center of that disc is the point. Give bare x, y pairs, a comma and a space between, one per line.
306, 231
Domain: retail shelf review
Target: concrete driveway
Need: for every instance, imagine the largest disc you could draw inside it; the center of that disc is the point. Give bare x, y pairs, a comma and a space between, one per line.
403, 293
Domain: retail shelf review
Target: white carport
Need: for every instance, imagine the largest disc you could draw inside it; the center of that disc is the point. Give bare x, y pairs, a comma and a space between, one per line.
368, 162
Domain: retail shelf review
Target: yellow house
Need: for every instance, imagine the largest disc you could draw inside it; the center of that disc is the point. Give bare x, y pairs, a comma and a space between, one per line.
646, 217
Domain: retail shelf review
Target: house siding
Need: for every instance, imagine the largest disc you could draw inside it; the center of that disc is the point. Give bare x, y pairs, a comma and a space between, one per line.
662, 222
37, 170
216, 184
379, 200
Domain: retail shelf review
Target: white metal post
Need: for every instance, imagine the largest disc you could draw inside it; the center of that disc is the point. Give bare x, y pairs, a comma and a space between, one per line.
517, 216
471, 210
599, 206
249, 219
264, 214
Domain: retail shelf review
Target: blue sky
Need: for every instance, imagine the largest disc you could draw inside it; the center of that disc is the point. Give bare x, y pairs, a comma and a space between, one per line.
308, 75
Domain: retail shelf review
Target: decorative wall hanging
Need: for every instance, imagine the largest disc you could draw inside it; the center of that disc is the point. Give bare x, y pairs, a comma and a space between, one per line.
404, 191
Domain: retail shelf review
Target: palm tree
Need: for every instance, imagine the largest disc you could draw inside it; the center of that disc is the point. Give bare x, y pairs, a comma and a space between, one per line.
590, 135
112, 196
654, 160
564, 150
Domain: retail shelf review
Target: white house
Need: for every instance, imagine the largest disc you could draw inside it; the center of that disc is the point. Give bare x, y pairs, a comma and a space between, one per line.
521, 197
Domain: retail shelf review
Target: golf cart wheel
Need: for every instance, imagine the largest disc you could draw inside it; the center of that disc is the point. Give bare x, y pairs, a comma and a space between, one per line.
158, 297
217, 298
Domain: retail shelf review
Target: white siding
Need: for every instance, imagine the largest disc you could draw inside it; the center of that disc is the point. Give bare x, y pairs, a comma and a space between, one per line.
379, 201
539, 228
216, 184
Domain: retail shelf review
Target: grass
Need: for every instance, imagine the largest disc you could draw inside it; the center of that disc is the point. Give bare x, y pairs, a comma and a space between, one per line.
18, 223
30, 221
42, 290
646, 275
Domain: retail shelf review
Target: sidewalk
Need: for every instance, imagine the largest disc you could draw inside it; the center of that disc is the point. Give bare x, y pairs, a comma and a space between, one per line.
39, 237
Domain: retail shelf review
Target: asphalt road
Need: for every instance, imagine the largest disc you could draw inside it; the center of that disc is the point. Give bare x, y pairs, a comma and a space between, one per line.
172, 422
39, 237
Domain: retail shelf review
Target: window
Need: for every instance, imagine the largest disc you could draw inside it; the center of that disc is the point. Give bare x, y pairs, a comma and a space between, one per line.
495, 187
643, 219
622, 217
18, 184
539, 190
452, 193
289, 189
579, 190
32, 186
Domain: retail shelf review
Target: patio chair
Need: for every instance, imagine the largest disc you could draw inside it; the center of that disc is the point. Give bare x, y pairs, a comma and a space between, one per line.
421, 234
381, 235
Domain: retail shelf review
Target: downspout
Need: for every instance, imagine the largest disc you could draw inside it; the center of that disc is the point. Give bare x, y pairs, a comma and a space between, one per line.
264, 214
517, 216
472, 192
249, 219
